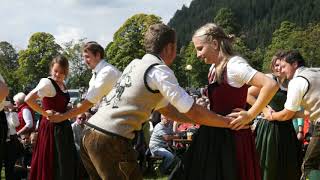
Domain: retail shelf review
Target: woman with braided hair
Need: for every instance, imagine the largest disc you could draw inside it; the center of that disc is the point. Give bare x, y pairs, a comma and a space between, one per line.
221, 153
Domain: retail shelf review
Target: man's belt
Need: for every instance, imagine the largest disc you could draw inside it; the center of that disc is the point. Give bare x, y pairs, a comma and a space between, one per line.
107, 132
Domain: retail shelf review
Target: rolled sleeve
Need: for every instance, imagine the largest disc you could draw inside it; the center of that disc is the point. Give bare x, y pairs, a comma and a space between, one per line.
184, 103
162, 78
296, 89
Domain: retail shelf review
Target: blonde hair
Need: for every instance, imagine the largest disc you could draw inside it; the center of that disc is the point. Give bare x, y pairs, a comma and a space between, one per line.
278, 56
210, 32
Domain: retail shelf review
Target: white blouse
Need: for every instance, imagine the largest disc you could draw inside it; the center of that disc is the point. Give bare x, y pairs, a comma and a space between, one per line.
45, 88
239, 72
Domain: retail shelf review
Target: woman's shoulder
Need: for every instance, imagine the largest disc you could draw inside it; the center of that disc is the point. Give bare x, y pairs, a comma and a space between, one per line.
270, 75
238, 63
45, 81
237, 60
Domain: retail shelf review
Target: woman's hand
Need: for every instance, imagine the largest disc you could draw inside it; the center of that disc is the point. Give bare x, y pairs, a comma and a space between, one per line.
267, 113
56, 117
300, 136
48, 113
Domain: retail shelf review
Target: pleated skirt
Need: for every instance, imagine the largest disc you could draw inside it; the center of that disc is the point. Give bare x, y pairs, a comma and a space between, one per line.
219, 154
279, 150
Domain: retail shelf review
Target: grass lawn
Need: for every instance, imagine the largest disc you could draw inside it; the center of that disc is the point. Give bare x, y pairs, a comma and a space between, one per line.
157, 178
154, 176
2, 174
149, 177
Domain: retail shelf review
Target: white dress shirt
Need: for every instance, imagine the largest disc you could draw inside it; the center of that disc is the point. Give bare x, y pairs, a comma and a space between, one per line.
162, 78
104, 77
297, 87
13, 122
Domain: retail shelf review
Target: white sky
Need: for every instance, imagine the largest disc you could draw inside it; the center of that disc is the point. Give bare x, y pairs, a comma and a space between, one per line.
96, 20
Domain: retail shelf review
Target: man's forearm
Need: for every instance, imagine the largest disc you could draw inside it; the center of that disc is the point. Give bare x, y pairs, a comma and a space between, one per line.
197, 114
23, 130
203, 116
283, 115
83, 107
173, 114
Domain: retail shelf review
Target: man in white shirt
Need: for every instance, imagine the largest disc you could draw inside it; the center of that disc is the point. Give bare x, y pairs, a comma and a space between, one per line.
104, 77
146, 84
303, 91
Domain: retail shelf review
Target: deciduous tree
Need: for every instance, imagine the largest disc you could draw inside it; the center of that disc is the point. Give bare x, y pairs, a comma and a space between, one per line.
79, 74
128, 40
34, 61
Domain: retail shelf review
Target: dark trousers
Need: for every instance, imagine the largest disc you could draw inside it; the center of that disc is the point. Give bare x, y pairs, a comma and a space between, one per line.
108, 157
8, 156
312, 157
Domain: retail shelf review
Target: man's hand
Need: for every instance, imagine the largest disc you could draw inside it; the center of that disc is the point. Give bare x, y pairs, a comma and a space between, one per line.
243, 118
235, 113
56, 118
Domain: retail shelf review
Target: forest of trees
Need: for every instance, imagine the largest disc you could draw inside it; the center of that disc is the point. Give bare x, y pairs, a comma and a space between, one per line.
261, 28
256, 19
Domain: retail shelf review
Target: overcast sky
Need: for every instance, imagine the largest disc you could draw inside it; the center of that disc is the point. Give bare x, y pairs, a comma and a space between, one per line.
95, 20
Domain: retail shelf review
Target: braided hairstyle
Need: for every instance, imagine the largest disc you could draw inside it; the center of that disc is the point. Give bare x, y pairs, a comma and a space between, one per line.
210, 32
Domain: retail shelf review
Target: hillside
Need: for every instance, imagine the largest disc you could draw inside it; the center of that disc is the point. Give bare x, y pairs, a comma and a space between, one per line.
257, 18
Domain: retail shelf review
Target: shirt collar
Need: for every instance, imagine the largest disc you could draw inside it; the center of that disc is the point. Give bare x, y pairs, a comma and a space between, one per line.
147, 56
99, 66
298, 71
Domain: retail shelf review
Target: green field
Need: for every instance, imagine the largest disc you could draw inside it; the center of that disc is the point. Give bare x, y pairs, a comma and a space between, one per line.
146, 178
2, 175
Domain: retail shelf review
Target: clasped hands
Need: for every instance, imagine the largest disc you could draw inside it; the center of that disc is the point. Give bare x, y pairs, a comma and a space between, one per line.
54, 116
240, 119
